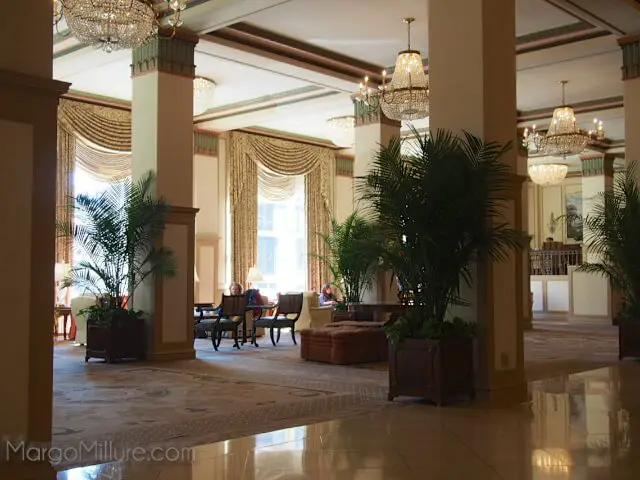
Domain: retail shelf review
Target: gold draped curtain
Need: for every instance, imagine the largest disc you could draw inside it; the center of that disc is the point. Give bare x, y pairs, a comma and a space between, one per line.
64, 191
95, 138
102, 136
278, 158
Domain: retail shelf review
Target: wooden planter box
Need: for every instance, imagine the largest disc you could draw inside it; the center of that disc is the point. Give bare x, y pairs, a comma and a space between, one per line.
119, 341
629, 339
437, 370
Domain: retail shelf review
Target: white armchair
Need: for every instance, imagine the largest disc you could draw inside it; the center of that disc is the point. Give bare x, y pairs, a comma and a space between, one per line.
77, 304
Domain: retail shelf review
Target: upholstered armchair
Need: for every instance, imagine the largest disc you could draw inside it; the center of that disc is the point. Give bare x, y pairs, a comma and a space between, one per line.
78, 304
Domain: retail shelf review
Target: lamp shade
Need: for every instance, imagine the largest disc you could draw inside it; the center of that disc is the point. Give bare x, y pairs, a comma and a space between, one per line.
254, 275
61, 270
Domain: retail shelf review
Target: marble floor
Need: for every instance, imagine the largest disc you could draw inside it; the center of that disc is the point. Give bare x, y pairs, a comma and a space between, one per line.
582, 426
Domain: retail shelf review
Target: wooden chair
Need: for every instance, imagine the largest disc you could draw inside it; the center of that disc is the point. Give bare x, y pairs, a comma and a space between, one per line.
287, 314
232, 311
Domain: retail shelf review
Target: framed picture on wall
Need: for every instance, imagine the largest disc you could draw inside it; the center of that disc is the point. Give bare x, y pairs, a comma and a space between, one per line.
573, 215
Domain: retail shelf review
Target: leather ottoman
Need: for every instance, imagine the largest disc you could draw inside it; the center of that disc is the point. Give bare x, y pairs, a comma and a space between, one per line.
344, 345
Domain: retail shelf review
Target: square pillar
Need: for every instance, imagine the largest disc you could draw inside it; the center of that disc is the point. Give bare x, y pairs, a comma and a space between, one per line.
28, 132
372, 131
210, 193
592, 294
631, 76
162, 141
472, 67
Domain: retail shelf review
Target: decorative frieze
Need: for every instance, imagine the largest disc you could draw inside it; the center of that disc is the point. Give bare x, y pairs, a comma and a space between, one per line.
205, 143
630, 56
596, 165
368, 113
344, 165
174, 55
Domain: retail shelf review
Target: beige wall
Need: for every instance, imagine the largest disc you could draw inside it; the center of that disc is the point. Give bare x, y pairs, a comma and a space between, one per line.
343, 197
210, 197
544, 201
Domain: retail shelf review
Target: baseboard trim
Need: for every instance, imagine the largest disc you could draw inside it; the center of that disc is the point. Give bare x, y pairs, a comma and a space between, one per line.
171, 356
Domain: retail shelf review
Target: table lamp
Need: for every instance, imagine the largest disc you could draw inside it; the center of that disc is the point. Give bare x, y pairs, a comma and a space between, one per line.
254, 276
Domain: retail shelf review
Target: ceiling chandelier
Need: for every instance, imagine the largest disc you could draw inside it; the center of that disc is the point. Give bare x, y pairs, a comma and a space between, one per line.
564, 137
406, 96
203, 95
342, 130
116, 24
548, 173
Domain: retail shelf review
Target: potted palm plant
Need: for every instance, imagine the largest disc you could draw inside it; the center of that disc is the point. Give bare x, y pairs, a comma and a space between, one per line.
351, 258
612, 233
116, 233
439, 207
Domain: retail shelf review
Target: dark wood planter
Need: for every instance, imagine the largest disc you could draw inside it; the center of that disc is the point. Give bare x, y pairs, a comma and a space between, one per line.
124, 340
628, 339
437, 370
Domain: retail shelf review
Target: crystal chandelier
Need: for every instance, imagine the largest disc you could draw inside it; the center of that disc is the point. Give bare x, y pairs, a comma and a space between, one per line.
548, 173
342, 130
406, 96
117, 24
203, 95
564, 137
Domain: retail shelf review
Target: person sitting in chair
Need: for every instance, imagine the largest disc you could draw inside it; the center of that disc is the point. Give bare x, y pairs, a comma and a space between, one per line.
326, 296
205, 326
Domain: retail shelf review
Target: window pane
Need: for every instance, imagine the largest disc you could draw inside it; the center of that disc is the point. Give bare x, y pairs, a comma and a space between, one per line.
282, 243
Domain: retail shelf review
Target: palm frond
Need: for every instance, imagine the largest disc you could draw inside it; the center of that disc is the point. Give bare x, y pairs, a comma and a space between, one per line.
118, 230
440, 207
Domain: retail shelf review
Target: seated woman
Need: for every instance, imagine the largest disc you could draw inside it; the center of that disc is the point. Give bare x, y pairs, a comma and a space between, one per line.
205, 326
326, 296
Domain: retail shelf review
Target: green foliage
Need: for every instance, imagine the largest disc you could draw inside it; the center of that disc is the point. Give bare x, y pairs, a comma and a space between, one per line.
613, 235
417, 324
439, 209
352, 256
107, 315
118, 231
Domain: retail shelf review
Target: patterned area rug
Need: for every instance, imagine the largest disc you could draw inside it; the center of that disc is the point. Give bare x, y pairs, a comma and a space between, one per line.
230, 394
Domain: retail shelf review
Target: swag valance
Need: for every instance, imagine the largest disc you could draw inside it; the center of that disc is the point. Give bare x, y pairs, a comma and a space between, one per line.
99, 138
271, 163
107, 128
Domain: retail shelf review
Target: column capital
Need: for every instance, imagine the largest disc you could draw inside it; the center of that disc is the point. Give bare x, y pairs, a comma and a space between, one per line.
371, 113
597, 164
344, 165
630, 46
168, 54
205, 142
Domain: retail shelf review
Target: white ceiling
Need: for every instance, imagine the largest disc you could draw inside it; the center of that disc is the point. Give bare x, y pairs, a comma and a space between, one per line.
373, 30
369, 30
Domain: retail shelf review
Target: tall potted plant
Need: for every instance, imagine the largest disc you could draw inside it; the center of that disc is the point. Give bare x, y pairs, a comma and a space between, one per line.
440, 209
351, 256
612, 236
117, 232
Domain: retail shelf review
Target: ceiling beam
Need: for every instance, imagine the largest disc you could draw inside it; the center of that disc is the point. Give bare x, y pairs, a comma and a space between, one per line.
267, 44
620, 17
582, 107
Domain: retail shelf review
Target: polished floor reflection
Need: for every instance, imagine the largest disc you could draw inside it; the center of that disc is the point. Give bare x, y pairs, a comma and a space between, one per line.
585, 426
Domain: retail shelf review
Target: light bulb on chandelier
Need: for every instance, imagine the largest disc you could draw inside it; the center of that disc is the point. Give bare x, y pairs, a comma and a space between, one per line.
406, 96
563, 138
117, 24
